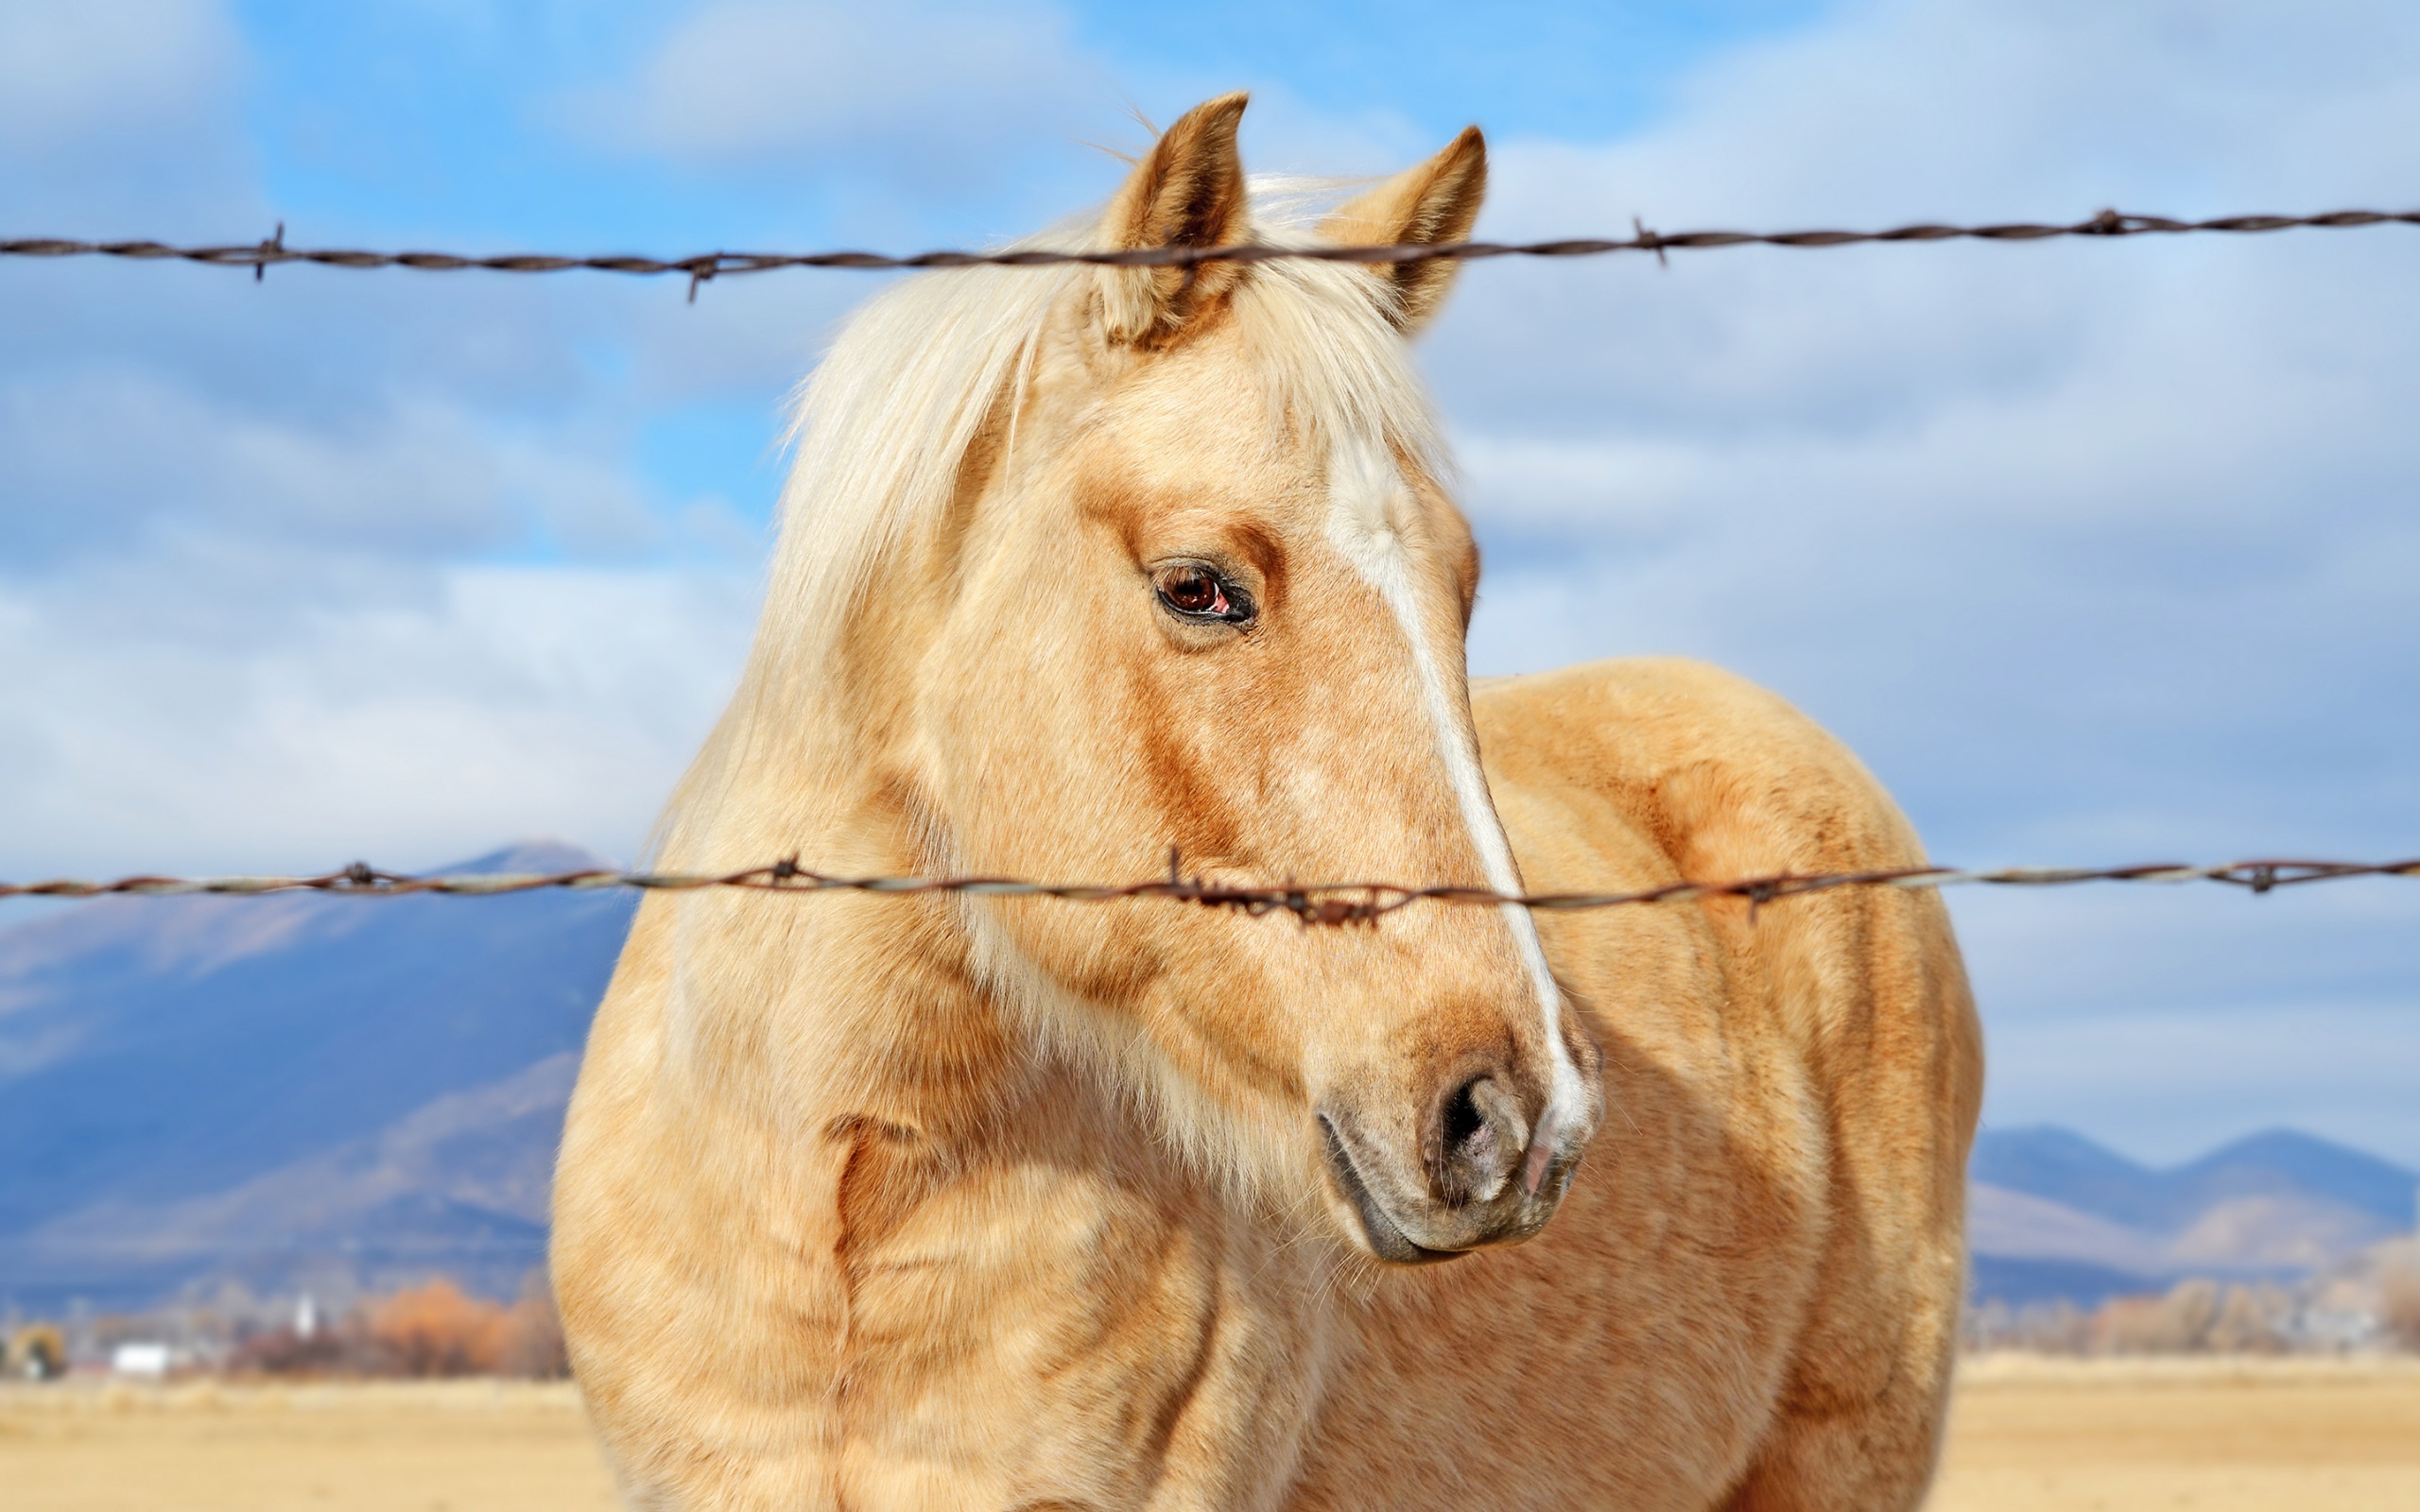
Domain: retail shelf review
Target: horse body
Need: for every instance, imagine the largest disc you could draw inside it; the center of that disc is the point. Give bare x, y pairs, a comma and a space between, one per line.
880, 1202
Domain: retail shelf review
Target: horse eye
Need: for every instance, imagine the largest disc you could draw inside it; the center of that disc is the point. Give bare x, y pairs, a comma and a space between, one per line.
1199, 592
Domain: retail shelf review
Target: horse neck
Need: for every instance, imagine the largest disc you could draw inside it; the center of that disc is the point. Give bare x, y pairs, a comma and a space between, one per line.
885, 996
804, 1010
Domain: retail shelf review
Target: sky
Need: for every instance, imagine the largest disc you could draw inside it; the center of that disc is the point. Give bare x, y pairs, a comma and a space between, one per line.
2097, 552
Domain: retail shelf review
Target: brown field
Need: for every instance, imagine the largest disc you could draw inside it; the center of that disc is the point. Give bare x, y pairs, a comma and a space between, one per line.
2028, 1436
466, 1446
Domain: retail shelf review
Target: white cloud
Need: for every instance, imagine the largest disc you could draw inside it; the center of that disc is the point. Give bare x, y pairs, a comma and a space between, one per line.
2121, 495
114, 119
444, 714
70, 71
929, 93
239, 627
330, 562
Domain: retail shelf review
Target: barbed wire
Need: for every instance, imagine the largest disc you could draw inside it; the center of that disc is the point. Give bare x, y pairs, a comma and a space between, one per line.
1327, 903
702, 266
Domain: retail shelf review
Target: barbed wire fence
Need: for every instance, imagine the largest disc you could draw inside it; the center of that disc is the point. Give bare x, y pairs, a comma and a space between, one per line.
1313, 904
702, 267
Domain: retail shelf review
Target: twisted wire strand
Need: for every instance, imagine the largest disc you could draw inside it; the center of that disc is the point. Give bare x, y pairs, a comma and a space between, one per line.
703, 266
1326, 902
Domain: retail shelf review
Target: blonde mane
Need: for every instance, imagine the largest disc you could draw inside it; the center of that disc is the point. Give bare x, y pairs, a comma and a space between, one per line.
880, 429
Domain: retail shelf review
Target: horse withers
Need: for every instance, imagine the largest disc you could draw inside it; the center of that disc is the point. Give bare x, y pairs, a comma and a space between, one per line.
972, 1202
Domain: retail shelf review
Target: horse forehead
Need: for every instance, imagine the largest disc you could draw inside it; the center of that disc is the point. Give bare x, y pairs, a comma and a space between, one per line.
1214, 406
1170, 451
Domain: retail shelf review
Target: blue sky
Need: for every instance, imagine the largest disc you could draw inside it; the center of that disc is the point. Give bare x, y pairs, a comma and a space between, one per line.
2095, 552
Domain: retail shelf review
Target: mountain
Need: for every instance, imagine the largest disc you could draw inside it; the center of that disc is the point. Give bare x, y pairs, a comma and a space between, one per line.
2018, 1280
356, 1088
2051, 1214
2283, 1162
2070, 1169
2066, 1168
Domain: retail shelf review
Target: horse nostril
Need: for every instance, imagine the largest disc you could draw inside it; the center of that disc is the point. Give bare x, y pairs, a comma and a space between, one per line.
1463, 1120
1481, 1137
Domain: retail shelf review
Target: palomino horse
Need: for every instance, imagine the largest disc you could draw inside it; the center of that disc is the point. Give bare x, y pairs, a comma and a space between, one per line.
984, 1203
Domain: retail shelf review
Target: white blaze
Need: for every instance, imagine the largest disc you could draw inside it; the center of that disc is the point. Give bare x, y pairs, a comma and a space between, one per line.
1367, 499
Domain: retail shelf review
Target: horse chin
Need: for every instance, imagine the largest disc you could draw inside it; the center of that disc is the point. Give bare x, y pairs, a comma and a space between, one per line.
1384, 1237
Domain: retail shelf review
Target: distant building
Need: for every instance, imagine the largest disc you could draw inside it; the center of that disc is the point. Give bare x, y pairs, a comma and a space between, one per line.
149, 1360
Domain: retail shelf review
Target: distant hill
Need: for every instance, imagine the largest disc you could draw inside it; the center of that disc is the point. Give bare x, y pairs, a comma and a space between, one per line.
2017, 1280
2051, 1214
358, 1090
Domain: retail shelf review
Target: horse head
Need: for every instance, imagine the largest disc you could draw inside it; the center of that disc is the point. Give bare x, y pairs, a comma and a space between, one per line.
1189, 576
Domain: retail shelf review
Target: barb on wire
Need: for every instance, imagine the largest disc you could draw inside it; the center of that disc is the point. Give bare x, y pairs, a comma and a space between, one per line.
1326, 902
700, 268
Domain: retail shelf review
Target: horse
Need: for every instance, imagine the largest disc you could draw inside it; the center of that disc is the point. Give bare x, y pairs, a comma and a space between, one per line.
969, 1201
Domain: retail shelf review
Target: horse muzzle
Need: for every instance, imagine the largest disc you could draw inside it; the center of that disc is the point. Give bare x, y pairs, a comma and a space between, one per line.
1484, 1175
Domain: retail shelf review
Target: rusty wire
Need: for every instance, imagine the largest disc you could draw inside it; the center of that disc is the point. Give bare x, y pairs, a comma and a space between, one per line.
703, 267
1330, 902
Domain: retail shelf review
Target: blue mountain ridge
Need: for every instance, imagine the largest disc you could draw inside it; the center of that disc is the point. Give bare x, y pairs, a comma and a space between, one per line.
154, 1049
2017, 1280
2064, 1167
2274, 1204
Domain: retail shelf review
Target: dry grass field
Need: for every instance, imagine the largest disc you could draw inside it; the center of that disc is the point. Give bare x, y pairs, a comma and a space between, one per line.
467, 1446
2029, 1435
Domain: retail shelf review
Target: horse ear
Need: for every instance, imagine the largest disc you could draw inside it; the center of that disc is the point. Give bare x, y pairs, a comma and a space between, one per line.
1426, 206
1188, 191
